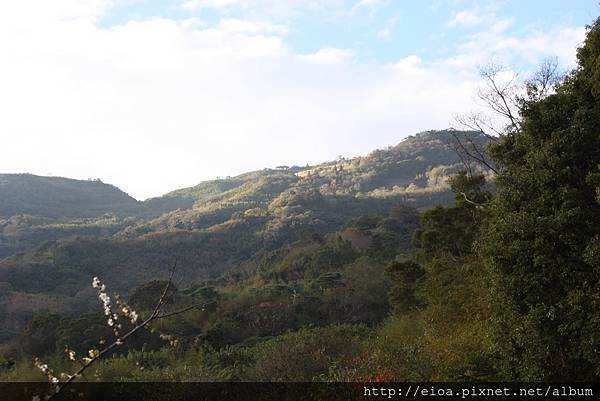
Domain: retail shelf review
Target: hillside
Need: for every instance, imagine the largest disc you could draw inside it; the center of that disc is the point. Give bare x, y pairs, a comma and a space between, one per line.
61, 197
414, 172
35, 209
214, 229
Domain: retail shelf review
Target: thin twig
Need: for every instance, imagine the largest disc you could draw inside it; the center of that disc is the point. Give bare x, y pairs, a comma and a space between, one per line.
180, 311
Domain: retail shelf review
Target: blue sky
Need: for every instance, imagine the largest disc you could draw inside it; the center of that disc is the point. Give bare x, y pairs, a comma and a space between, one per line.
157, 95
378, 31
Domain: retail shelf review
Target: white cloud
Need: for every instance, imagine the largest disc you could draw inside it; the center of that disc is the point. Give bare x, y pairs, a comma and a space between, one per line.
465, 17
412, 63
271, 8
498, 44
386, 31
251, 27
367, 3
329, 55
198, 4
156, 105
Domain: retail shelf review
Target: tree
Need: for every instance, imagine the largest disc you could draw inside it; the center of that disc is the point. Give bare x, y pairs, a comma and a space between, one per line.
440, 329
541, 233
453, 230
404, 275
505, 96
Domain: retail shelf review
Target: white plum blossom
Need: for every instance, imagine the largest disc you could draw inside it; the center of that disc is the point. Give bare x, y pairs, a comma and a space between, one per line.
127, 311
103, 296
70, 353
46, 370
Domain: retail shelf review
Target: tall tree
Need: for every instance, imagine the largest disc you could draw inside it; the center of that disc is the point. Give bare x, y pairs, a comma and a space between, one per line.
542, 227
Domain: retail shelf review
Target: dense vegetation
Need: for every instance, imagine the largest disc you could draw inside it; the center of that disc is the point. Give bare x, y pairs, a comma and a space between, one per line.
330, 273
212, 228
541, 238
60, 197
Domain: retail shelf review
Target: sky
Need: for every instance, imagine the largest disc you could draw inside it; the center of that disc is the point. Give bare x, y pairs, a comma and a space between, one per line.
153, 95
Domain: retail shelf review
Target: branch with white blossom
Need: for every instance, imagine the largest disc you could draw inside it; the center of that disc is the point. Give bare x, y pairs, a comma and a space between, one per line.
125, 311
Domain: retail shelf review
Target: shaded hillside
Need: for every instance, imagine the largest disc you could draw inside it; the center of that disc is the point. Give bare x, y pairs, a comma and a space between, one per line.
35, 209
22, 232
61, 197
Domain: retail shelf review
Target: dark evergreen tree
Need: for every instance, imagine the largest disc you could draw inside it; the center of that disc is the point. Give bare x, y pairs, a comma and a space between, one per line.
540, 240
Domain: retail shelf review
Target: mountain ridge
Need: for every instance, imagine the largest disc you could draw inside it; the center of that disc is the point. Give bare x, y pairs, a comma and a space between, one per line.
414, 172
13, 182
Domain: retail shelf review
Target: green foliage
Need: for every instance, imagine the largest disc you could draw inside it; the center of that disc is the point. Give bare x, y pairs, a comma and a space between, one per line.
48, 335
404, 275
288, 267
440, 327
60, 197
454, 229
540, 239
145, 296
366, 288
306, 354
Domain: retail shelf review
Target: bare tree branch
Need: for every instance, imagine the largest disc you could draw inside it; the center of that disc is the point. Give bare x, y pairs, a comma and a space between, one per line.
480, 156
477, 205
161, 301
180, 311
506, 97
543, 82
474, 154
499, 96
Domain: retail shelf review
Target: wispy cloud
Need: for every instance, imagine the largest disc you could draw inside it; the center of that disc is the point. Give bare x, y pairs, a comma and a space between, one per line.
466, 18
199, 4
386, 31
497, 43
251, 27
277, 8
367, 4
329, 55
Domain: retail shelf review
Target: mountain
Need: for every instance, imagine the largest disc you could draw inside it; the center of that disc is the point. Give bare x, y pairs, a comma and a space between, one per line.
414, 172
217, 229
55, 197
35, 209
